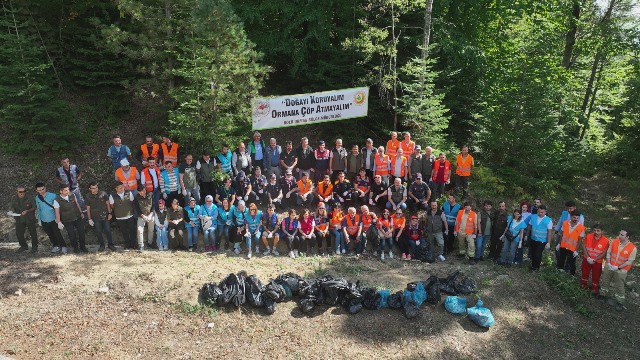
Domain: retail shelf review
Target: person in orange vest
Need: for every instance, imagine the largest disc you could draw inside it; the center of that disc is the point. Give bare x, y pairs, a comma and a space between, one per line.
398, 165
567, 250
399, 222
466, 231
170, 151
393, 144
620, 257
464, 165
304, 194
369, 230
352, 228
324, 191
128, 175
440, 175
147, 150
381, 165
594, 248
150, 178
408, 146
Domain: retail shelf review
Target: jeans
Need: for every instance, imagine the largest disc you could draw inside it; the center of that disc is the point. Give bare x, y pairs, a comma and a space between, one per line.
300, 201
389, 243
222, 230
408, 246
251, 237
75, 230
437, 190
52, 231
193, 192
339, 239
390, 206
509, 251
462, 182
103, 227
209, 235
322, 240
481, 241
192, 235
437, 242
162, 238
140, 230
156, 197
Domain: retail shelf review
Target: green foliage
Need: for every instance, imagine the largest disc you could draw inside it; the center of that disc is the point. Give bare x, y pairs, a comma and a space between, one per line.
218, 177
567, 287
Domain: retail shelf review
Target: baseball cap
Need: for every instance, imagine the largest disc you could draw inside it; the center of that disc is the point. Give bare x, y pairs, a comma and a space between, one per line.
418, 176
124, 162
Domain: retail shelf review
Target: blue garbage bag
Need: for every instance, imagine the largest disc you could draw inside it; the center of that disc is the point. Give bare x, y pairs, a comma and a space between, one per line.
481, 315
418, 294
455, 304
384, 295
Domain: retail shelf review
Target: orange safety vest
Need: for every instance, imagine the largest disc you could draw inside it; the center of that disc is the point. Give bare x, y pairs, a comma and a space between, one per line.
306, 188
130, 183
366, 221
353, 224
470, 226
385, 223
463, 166
170, 155
620, 257
403, 166
408, 149
392, 147
323, 226
382, 166
595, 247
324, 191
447, 170
570, 238
145, 152
148, 180
398, 222
336, 219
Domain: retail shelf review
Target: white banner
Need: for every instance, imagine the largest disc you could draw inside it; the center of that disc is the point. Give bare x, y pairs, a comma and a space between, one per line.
305, 109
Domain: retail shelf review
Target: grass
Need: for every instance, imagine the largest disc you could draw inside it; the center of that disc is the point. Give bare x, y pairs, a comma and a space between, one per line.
194, 309
567, 287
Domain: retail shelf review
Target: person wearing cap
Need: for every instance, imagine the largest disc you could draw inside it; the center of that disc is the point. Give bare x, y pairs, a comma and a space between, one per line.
305, 155
189, 179
397, 195
204, 167
162, 226
117, 152
192, 223
147, 150
270, 227
170, 151
274, 192
257, 150
70, 174
368, 157
354, 163
419, 194
226, 191
338, 160
170, 183
324, 191
321, 220
258, 185
143, 209
416, 162
121, 203
321, 164
238, 226
288, 157
23, 211
272, 158
208, 218
378, 192
128, 175
99, 214
304, 194
244, 189
411, 237
289, 187
176, 226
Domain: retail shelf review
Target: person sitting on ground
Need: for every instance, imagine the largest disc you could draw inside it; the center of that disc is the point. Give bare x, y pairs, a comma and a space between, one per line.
466, 231
224, 223
253, 223
270, 227
352, 228
274, 192
335, 228
621, 256
594, 248
289, 232
321, 220
411, 237
385, 232
209, 221
306, 236
176, 226
161, 219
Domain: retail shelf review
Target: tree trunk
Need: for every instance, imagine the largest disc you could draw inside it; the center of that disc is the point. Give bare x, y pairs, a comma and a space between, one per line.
426, 37
570, 38
593, 100
394, 68
167, 11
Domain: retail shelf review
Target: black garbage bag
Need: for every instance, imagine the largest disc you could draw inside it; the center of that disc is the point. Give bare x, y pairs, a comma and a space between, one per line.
448, 284
352, 298
309, 296
370, 298
432, 285
423, 252
210, 293
410, 309
253, 291
395, 300
233, 290
269, 305
307, 305
274, 292
333, 291
294, 282
465, 286
354, 307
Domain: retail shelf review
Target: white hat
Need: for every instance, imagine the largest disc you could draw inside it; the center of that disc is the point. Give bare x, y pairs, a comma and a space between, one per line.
124, 162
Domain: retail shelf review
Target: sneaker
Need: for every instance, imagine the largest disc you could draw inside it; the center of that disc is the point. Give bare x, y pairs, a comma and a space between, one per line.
111, 247
472, 261
296, 253
166, 247
55, 250
619, 307
292, 255
409, 257
275, 252
344, 251
84, 249
213, 248
601, 298
141, 249
357, 255
101, 248
441, 258
257, 249
23, 248
190, 248
382, 256
404, 256
236, 251
612, 301
64, 250
390, 255
266, 252
249, 255
374, 253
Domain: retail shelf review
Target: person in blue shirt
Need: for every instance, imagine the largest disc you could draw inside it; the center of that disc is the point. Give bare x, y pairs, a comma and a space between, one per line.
209, 219
238, 226
516, 225
450, 209
117, 152
253, 222
224, 222
192, 223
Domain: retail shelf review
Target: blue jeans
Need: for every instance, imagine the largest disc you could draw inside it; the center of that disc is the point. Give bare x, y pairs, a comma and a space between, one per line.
192, 235
340, 243
103, 226
389, 243
222, 230
390, 205
509, 249
252, 237
481, 241
209, 235
162, 238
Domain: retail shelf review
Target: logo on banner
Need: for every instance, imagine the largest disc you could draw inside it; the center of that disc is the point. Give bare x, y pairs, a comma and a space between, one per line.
359, 98
261, 109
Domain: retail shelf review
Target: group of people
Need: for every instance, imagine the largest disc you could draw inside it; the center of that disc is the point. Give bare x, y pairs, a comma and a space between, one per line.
359, 197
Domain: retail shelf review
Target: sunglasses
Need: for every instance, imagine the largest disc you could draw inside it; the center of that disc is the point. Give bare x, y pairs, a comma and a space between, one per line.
21, 191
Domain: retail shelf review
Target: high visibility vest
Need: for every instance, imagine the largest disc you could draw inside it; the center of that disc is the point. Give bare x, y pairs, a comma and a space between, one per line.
620, 256
382, 165
398, 222
539, 230
366, 221
154, 151
384, 224
353, 224
463, 165
336, 219
130, 183
436, 168
470, 226
170, 155
570, 238
304, 188
148, 180
325, 190
408, 149
392, 147
321, 222
595, 247
403, 166
450, 213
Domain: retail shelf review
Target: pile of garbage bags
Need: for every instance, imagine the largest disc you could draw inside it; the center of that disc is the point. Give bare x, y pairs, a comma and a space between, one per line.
480, 315
238, 289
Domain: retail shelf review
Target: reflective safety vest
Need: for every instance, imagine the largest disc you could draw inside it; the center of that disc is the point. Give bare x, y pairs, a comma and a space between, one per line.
620, 256
192, 214
304, 188
403, 166
382, 165
366, 221
325, 190
392, 147
155, 148
398, 222
117, 155
470, 226
130, 183
385, 225
408, 149
170, 155
450, 212
253, 222
570, 238
539, 230
148, 180
463, 165
436, 168
336, 219
321, 222
352, 224
225, 161
595, 247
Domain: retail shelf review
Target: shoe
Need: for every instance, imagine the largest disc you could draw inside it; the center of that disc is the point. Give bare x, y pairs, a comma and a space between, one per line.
409, 257
190, 248
337, 252
404, 256
101, 248
266, 252
111, 247
275, 252
357, 256
374, 253
55, 250
296, 253
213, 248
141, 249
257, 249
166, 247
472, 261
382, 256
344, 251
612, 301
34, 249
441, 258
249, 255
601, 298
64, 250
292, 255
84, 250
619, 307
23, 248
390, 255
236, 251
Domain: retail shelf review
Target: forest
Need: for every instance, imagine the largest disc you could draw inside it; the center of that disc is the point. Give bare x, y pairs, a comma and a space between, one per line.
542, 92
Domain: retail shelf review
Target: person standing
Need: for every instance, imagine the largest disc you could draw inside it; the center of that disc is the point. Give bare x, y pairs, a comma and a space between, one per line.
170, 183
150, 178
419, 194
381, 165
70, 174
204, 167
288, 158
541, 229
147, 150
46, 216
143, 209
70, 216
354, 161
241, 159
594, 248
272, 158
117, 152
466, 231
121, 203
567, 250
23, 210
128, 175
257, 150
189, 179
512, 237
305, 155
464, 165
486, 219
368, 157
450, 209
408, 146
428, 159
440, 175
224, 160
170, 151
398, 166
620, 257
321, 162
499, 225
337, 160
416, 163
99, 214
393, 144
436, 227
